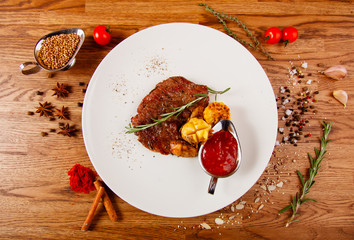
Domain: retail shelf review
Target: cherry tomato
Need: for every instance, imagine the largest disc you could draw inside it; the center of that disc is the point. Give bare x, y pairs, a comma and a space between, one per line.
102, 35
272, 35
289, 35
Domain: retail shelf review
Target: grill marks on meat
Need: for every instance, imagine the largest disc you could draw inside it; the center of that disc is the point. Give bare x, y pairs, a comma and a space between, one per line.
168, 94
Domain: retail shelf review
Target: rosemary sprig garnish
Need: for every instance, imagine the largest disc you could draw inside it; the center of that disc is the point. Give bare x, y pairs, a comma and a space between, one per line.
163, 116
216, 93
176, 112
300, 196
256, 45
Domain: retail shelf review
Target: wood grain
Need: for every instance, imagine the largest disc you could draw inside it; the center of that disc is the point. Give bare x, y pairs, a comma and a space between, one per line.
35, 197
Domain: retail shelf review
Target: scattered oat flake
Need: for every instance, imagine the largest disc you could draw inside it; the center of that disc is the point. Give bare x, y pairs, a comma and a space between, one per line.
263, 187
231, 217
280, 184
240, 206
271, 187
232, 208
285, 101
288, 112
243, 202
205, 225
257, 200
260, 207
219, 221
304, 65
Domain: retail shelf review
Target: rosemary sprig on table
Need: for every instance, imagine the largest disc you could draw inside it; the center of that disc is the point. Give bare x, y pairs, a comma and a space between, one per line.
176, 111
300, 196
256, 45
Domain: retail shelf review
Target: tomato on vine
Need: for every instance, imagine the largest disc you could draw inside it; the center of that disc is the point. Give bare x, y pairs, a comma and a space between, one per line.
272, 35
102, 35
289, 35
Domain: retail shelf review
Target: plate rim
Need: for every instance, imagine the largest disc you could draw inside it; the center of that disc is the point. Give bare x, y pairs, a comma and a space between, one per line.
84, 113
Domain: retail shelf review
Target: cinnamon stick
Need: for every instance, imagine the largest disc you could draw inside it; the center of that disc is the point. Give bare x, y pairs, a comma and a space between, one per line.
89, 218
107, 202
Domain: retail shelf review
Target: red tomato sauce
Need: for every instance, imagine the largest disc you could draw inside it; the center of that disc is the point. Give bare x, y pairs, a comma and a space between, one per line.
219, 155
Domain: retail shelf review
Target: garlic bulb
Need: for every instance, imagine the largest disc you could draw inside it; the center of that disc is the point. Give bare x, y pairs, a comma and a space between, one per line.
341, 96
337, 72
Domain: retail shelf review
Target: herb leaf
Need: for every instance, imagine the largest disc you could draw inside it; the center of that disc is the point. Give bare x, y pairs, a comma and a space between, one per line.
301, 177
284, 209
307, 199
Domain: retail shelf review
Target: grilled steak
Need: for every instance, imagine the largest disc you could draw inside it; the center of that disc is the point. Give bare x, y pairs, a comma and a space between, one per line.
167, 95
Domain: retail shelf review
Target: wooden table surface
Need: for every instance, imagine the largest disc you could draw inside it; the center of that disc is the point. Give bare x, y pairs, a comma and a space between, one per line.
35, 197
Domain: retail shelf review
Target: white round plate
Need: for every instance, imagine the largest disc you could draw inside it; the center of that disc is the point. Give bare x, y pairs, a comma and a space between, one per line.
168, 185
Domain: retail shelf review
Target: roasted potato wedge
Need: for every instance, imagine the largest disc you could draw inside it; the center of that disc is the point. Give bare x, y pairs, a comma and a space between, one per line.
197, 112
183, 149
216, 111
196, 130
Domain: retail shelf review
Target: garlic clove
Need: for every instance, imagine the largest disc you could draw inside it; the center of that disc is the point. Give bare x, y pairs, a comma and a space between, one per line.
341, 96
337, 72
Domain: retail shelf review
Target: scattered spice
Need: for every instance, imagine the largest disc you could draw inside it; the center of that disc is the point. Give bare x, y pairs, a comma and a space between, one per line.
67, 130
50, 74
61, 90
45, 109
79, 104
62, 113
56, 51
81, 83
82, 179
44, 134
296, 105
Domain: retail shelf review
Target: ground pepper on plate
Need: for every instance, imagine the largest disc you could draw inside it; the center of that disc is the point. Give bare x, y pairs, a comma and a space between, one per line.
82, 179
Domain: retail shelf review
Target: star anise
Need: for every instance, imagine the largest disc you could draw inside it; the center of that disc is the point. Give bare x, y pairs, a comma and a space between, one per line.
62, 113
61, 90
45, 109
67, 130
